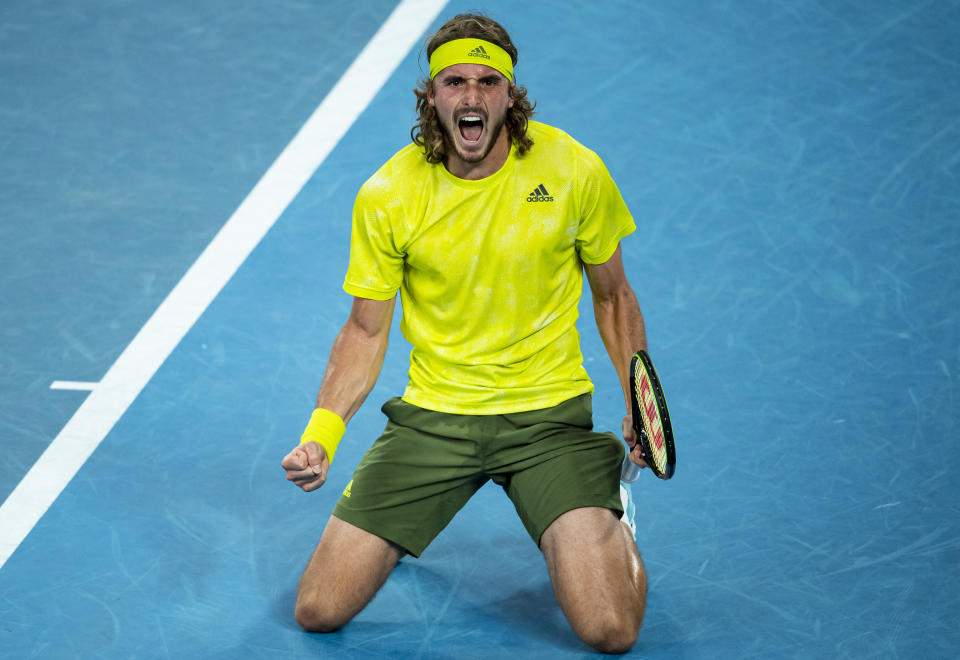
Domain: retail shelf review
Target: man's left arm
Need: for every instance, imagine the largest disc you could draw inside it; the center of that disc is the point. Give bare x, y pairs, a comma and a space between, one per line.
621, 327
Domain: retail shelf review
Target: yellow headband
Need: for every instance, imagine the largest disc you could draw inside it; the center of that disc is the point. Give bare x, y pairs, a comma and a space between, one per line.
471, 51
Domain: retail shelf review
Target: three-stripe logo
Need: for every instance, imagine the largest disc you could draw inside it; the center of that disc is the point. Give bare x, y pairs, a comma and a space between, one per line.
539, 194
479, 52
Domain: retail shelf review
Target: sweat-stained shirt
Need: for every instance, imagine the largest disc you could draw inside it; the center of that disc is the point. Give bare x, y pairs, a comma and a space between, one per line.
489, 271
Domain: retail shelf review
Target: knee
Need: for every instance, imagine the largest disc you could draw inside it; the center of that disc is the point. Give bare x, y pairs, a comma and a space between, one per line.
315, 617
612, 636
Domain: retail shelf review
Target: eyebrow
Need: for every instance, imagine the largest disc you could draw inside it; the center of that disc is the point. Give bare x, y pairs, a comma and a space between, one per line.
451, 77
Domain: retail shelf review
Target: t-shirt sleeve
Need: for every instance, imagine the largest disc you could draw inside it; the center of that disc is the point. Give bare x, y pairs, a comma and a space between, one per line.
605, 218
375, 270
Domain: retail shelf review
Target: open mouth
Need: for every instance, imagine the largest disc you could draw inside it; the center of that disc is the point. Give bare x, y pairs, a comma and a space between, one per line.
471, 127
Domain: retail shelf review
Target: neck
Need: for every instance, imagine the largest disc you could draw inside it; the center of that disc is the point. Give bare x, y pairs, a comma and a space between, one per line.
481, 169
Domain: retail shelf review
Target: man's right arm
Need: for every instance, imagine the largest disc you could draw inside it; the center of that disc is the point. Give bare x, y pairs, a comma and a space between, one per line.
352, 370
356, 357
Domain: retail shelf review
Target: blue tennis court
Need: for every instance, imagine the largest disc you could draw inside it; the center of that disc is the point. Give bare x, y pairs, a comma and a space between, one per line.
794, 171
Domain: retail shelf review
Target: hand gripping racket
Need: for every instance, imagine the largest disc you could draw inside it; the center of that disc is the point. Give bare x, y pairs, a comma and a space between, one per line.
651, 421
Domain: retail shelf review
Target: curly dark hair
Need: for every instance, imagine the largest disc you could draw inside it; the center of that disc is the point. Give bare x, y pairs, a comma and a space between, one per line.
427, 132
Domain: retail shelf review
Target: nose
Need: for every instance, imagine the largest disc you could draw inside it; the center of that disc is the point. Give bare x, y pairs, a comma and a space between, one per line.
471, 92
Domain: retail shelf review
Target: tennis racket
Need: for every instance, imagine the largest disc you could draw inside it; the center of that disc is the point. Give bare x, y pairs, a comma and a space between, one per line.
651, 421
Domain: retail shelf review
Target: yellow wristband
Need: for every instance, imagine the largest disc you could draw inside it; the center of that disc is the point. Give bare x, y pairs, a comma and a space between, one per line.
326, 428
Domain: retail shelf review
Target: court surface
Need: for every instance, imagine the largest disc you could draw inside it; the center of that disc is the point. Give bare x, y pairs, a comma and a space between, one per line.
794, 170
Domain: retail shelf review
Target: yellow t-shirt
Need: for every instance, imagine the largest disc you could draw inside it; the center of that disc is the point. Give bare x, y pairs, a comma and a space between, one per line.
489, 271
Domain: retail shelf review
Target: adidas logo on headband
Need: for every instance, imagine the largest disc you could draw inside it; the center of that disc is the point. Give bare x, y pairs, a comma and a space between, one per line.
479, 52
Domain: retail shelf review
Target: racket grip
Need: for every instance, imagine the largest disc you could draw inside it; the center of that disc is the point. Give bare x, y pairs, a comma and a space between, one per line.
629, 471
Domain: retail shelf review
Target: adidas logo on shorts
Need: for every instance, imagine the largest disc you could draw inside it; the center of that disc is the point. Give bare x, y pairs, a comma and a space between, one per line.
539, 194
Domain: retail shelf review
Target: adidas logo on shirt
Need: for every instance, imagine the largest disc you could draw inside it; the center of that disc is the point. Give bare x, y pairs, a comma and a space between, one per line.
539, 194
478, 52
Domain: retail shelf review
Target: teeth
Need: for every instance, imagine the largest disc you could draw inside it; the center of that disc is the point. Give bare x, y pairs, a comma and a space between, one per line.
471, 118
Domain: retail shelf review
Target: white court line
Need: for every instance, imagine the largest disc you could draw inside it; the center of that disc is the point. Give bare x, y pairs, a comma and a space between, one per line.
73, 385
212, 270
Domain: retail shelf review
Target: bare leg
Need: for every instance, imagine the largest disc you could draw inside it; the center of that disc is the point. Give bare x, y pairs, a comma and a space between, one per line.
347, 568
598, 577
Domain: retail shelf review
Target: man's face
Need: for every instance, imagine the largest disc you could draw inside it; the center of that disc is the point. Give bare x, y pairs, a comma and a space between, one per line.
471, 101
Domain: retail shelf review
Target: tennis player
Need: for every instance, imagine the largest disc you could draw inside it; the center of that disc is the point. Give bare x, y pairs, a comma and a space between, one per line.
484, 225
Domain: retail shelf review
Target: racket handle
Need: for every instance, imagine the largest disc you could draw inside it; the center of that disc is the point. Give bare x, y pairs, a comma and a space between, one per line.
629, 471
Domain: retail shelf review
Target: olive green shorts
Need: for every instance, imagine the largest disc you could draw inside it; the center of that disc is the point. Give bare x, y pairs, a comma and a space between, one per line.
427, 464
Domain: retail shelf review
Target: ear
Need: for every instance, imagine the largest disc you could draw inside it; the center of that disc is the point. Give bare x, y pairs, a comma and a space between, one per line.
430, 98
510, 95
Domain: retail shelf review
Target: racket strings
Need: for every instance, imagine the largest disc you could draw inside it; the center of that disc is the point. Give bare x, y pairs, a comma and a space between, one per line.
650, 417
